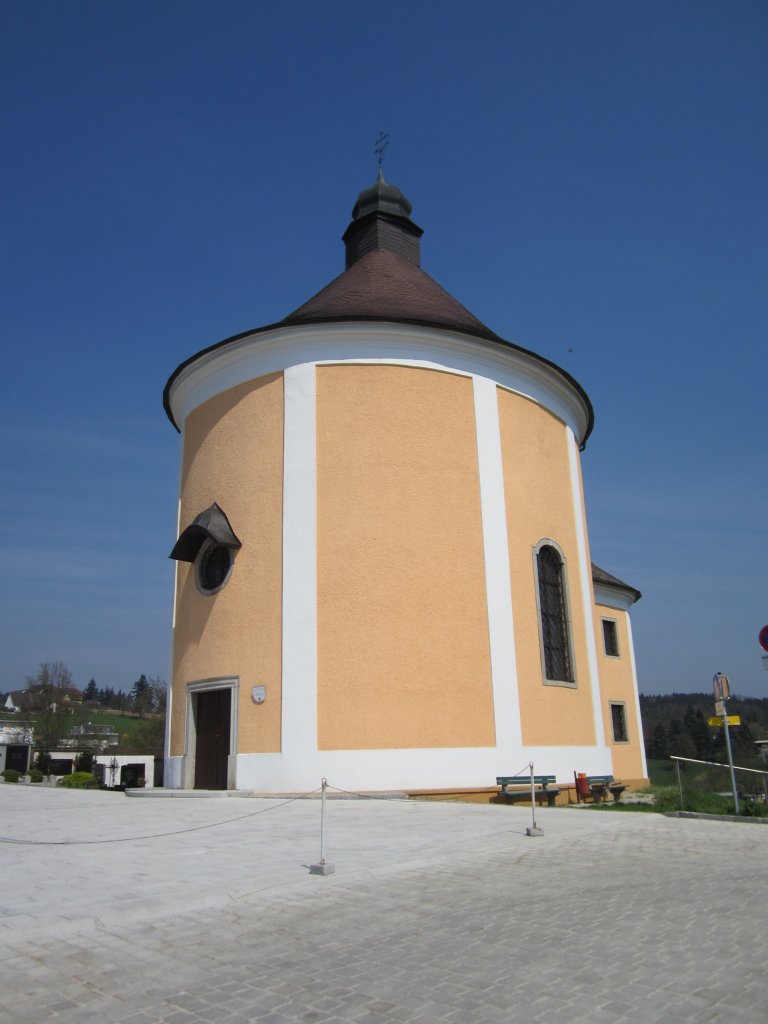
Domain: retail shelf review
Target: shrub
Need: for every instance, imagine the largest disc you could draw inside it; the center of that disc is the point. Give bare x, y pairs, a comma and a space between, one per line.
752, 808
10, 775
665, 798
79, 780
35, 775
706, 803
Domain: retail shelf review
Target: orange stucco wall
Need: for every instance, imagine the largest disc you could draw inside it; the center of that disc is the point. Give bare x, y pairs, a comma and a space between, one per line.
539, 506
233, 454
403, 650
617, 684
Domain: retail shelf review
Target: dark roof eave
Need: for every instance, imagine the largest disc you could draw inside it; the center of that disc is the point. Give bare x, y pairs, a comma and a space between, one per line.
483, 335
602, 578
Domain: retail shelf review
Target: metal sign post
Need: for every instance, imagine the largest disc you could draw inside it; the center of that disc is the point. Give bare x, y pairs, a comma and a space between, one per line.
722, 691
730, 762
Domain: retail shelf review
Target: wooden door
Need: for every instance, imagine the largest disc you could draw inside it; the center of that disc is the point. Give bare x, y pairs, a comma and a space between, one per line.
212, 722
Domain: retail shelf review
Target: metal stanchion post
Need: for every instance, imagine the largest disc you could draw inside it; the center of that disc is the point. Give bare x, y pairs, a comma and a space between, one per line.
533, 829
322, 867
680, 785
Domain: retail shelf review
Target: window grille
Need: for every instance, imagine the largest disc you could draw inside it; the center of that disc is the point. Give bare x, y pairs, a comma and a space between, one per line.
619, 723
610, 638
554, 620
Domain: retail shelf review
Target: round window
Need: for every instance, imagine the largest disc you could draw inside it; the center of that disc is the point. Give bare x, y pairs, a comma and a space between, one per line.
214, 565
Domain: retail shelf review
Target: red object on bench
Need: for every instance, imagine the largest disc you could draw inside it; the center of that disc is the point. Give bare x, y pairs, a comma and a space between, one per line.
582, 785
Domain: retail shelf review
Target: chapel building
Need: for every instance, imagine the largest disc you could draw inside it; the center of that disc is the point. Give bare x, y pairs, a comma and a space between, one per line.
383, 569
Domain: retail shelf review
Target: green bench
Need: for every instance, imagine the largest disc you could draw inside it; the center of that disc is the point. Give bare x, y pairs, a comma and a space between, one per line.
544, 786
599, 787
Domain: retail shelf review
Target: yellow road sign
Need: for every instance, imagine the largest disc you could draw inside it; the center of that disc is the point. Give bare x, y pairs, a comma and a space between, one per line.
731, 719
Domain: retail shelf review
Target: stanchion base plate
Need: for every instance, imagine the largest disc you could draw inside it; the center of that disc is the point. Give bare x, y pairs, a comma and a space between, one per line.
534, 831
323, 868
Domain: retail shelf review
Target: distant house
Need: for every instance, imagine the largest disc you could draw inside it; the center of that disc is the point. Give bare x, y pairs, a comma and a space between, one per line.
23, 699
91, 736
15, 744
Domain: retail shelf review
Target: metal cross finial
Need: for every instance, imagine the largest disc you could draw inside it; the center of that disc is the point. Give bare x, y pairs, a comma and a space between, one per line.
380, 144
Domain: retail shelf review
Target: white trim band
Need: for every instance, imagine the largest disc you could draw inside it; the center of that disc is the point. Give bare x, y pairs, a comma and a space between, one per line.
397, 344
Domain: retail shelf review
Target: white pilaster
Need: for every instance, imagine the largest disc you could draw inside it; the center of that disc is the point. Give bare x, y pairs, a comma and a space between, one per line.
638, 717
506, 703
299, 695
585, 575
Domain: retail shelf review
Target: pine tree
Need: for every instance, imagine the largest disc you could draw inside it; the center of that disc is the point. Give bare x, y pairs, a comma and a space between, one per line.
142, 697
659, 745
680, 742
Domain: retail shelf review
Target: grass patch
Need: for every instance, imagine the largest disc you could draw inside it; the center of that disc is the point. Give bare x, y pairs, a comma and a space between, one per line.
660, 773
626, 808
125, 725
696, 799
664, 772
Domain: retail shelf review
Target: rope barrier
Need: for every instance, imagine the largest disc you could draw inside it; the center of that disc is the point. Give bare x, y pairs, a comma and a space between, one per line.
360, 796
155, 835
10, 840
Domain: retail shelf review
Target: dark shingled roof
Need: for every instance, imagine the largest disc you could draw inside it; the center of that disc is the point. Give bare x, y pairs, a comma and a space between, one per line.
601, 576
384, 282
382, 285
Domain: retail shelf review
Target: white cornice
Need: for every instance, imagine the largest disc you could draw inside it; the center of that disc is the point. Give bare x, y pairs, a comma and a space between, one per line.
613, 597
263, 352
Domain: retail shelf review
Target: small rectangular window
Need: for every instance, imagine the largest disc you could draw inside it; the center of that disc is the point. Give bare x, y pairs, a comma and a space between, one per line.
610, 638
619, 723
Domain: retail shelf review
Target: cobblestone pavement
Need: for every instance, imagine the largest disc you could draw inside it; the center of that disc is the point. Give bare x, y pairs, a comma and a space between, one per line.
436, 913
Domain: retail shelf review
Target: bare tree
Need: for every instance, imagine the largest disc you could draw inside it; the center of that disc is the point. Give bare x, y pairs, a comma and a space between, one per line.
160, 693
51, 697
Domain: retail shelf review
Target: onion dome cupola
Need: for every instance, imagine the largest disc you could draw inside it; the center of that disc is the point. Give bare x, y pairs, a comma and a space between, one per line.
381, 219
383, 279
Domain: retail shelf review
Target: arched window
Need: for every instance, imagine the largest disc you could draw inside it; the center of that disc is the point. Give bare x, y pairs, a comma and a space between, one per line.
553, 616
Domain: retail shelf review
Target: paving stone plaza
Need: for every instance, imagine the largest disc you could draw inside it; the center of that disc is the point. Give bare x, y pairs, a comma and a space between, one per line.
437, 912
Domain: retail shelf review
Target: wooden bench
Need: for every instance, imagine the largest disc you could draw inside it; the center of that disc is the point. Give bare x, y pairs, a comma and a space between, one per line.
544, 786
599, 787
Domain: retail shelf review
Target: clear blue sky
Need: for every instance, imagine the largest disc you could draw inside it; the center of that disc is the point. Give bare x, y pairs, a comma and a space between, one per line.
591, 178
